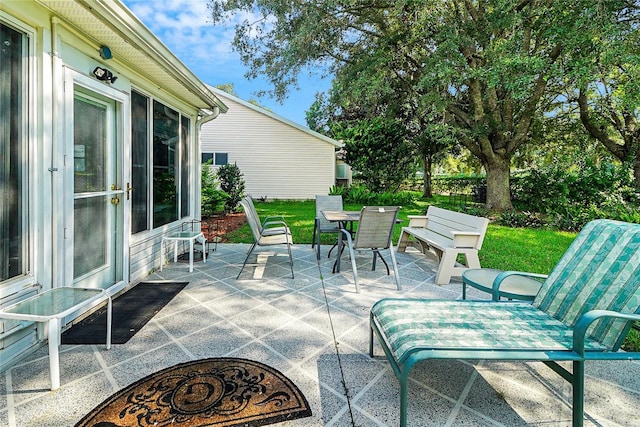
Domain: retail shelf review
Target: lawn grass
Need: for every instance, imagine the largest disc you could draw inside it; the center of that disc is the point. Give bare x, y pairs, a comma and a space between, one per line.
504, 248
533, 250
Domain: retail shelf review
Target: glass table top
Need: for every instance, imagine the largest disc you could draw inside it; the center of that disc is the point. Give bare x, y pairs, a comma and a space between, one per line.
513, 286
184, 235
55, 302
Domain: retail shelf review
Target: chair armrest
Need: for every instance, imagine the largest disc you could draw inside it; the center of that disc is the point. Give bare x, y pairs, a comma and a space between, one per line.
418, 221
500, 277
584, 321
272, 224
465, 239
497, 282
347, 235
272, 219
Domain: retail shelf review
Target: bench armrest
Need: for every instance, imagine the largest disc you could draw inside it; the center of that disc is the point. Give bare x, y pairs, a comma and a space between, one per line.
584, 321
465, 239
418, 221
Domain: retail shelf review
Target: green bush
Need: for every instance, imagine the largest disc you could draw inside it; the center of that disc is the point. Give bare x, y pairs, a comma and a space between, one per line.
213, 198
521, 219
359, 194
569, 198
232, 183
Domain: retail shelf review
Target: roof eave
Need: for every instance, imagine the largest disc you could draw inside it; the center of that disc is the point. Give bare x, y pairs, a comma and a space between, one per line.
122, 21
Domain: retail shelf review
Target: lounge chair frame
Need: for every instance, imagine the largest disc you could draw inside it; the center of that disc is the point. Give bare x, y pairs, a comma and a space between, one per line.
573, 318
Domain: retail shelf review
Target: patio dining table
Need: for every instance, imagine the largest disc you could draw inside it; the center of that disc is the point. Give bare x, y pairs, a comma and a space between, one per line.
346, 220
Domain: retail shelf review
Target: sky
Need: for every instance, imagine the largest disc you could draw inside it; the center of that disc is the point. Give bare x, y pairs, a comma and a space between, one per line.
185, 27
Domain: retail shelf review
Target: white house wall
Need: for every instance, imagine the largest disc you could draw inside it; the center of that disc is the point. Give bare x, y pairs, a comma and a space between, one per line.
277, 159
62, 55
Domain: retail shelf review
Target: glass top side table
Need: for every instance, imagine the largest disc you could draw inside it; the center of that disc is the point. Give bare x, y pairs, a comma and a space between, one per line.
50, 307
517, 287
185, 236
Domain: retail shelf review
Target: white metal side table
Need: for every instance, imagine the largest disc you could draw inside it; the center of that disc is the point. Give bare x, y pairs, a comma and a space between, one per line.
184, 236
50, 307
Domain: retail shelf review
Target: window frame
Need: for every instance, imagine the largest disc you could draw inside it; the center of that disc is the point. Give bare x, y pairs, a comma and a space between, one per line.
213, 156
29, 120
183, 162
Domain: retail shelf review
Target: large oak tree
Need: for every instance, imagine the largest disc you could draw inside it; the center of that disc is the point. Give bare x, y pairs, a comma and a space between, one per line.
485, 68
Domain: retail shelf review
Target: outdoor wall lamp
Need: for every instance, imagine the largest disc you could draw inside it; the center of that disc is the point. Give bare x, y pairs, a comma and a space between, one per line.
104, 75
105, 52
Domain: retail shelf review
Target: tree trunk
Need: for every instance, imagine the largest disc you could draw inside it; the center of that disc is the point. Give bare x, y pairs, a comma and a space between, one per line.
498, 191
636, 172
426, 165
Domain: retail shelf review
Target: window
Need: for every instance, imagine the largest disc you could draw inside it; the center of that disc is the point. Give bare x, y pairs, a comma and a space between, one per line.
166, 135
13, 149
217, 159
206, 157
184, 163
139, 162
221, 159
160, 172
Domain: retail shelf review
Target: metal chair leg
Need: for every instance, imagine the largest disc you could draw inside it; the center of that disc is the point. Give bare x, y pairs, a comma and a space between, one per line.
247, 258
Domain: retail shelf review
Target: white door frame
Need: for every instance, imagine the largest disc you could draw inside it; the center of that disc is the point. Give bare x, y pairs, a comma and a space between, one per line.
122, 167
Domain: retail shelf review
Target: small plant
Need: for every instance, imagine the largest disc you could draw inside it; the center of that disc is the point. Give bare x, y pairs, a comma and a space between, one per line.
632, 342
213, 198
337, 190
232, 183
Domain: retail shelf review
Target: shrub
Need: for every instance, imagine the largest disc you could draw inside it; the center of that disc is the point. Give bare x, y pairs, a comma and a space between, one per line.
568, 199
521, 219
212, 197
359, 194
232, 183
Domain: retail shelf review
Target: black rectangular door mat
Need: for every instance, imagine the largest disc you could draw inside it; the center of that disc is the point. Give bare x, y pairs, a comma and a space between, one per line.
130, 312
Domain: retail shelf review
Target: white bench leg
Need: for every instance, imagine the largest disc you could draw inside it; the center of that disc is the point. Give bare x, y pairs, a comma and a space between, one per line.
402, 243
446, 267
472, 260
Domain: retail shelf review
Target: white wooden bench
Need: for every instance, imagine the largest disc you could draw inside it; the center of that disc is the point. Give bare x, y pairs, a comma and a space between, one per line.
447, 234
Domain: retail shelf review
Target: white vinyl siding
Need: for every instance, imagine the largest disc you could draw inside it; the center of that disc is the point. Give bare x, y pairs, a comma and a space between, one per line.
277, 158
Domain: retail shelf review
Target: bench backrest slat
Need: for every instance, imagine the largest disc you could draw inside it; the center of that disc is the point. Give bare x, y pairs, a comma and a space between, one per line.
599, 271
443, 221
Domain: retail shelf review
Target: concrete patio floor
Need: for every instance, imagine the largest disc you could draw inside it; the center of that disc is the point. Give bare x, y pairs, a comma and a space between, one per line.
314, 329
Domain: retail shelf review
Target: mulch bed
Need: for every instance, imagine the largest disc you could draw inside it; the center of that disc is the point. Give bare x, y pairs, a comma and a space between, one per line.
221, 225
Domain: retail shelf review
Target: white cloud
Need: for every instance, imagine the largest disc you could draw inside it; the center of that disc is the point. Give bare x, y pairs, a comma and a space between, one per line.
185, 27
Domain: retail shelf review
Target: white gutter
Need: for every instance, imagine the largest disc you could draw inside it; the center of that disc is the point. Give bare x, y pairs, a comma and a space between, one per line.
201, 121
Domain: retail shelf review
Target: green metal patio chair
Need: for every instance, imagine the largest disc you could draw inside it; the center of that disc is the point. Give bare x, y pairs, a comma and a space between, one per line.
273, 231
582, 312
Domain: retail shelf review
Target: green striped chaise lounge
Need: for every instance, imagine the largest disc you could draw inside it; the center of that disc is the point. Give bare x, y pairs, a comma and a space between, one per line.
582, 312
